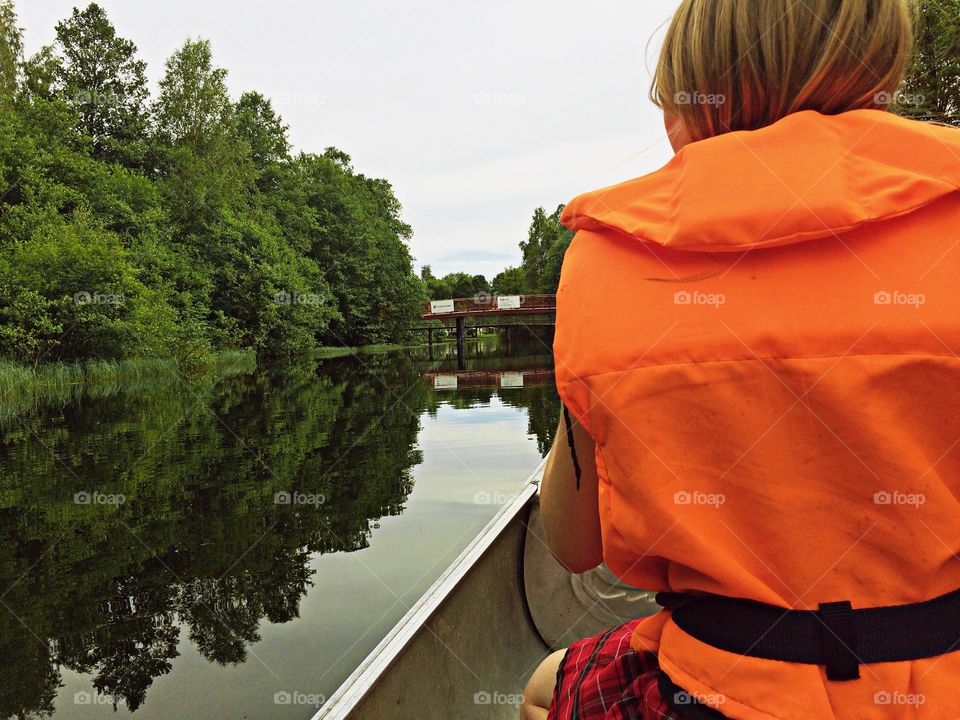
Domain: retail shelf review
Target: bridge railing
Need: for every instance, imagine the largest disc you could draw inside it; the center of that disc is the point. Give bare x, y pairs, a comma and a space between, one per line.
488, 303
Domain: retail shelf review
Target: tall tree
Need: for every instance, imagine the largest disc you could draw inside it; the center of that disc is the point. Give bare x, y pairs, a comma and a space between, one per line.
194, 107
932, 90
547, 242
102, 78
265, 133
11, 48
205, 169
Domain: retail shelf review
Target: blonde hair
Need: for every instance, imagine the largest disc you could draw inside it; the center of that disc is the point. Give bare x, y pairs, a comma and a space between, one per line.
731, 65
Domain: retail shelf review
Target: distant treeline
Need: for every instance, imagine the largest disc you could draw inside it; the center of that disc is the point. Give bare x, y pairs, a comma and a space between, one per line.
179, 225
539, 272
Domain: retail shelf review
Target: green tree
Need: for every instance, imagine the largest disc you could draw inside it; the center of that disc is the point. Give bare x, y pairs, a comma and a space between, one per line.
932, 89
194, 107
265, 133
83, 296
101, 77
205, 169
11, 49
453, 285
40, 74
360, 243
508, 282
547, 242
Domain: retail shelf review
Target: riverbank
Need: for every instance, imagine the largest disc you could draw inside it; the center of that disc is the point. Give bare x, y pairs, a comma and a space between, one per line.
323, 353
24, 388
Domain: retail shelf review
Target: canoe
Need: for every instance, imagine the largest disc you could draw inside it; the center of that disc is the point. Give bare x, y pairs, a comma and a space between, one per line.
468, 645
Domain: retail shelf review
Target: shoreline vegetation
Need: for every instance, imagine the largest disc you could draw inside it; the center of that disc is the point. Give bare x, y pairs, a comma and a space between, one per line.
24, 388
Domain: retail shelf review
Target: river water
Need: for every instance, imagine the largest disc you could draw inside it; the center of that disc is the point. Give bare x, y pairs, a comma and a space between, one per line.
233, 550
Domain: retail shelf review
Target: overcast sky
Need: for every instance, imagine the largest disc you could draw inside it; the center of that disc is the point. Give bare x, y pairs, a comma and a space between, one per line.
476, 112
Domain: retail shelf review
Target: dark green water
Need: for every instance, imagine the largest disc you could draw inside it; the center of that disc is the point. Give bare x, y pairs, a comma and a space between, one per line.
215, 551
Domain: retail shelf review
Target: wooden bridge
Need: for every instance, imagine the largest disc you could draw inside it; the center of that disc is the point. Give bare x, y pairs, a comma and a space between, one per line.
486, 305
487, 311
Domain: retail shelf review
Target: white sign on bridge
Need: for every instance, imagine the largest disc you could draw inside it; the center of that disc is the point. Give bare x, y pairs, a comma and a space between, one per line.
508, 302
438, 307
445, 382
511, 380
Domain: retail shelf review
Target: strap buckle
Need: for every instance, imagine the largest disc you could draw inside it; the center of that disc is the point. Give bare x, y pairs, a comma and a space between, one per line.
840, 641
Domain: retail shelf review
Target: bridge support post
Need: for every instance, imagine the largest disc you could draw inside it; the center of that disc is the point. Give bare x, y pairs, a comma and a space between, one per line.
430, 343
461, 346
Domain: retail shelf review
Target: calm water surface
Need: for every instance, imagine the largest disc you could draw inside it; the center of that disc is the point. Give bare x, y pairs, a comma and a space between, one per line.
235, 551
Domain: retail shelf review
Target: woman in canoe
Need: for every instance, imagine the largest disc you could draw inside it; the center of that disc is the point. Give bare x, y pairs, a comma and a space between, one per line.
757, 351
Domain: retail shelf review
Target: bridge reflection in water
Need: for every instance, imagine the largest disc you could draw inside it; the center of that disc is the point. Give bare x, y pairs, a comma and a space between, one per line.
495, 379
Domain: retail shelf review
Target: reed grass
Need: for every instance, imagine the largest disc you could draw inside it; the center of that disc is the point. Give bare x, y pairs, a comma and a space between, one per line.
323, 353
24, 389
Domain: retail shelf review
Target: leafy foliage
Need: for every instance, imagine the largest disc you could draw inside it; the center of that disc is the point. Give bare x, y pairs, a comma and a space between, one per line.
178, 226
508, 282
453, 285
543, 251
101, 78
933, 86
11, 49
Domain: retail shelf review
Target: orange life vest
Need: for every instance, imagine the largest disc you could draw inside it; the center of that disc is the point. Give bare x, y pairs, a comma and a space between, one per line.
762, 338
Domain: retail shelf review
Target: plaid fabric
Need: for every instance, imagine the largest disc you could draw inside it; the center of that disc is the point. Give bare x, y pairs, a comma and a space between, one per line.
604, 678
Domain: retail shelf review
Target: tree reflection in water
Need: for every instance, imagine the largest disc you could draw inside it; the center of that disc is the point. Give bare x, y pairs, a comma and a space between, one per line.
199, 544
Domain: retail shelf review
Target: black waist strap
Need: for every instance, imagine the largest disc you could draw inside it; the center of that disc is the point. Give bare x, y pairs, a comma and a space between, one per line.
837, 636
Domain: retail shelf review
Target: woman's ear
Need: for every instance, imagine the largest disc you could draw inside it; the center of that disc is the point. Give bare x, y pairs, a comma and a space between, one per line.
675, 131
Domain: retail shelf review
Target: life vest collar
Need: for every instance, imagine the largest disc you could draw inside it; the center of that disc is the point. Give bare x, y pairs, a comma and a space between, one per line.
807, 177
